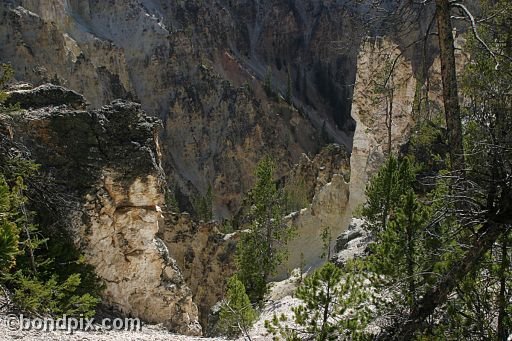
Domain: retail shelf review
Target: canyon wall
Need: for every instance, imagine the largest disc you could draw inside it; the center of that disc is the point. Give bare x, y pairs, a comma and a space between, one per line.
105, 185
325, 179
200, 66
387, 84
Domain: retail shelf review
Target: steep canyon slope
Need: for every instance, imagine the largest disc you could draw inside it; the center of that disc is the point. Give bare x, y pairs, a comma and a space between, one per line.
205, 69
200, 67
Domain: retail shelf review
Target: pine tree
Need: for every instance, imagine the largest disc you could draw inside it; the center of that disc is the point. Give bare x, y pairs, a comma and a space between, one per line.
289, 86
267, 83
383, 192
236, 315
261, 249
335, 305
203, 205
9, 233
6, 74
399, 251
28, 267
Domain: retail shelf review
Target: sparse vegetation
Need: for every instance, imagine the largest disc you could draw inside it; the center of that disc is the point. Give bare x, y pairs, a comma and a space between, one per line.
41, 269
203, 205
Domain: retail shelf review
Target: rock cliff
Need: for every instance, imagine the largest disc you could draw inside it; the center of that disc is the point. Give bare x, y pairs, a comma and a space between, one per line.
326, 179
200, 67
105, 166
204, 256
388, 85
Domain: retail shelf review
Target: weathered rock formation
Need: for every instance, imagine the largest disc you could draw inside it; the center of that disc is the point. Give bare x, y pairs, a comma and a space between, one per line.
326, 177
371, 107
407, 97
204, 256
106, 165
199, 66
352, 243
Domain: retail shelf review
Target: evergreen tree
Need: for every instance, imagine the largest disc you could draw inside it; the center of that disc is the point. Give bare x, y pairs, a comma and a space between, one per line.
6, 73
203, 205
27, 265
261, 249
384, 191
8, 230
236, 315
267, 84
289, 86
27, 256
334, 306
399, 252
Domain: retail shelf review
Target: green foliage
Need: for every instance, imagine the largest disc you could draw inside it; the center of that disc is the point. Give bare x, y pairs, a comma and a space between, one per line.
334, 306
324, 134
297, 196
399, 251
261, 249
383, 192
428, 144
9, 233
203, 205
236, 315
267, 84
53, 296
480, 308
170, 200
45, 275
409, 251
6, 74
227, 226
326, 243
288, 97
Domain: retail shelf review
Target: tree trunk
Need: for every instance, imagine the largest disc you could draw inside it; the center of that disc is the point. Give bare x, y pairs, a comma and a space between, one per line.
410, 260
449, 77
502, 298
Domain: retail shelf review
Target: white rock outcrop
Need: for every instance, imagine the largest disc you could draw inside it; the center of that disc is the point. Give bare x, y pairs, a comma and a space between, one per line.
120, 242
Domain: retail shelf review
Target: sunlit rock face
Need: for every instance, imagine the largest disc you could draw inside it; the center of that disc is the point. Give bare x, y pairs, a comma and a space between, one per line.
326, 181
199, 66
106, 179
140, 276
381, 61
371, 107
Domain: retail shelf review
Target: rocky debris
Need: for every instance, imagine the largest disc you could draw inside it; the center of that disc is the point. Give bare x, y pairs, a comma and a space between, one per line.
106, 164
353, 243
279, 300
147, 333
44, 96
204, 255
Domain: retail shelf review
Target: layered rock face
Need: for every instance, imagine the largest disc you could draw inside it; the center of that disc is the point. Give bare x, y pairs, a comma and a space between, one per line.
199, 67
106, 166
